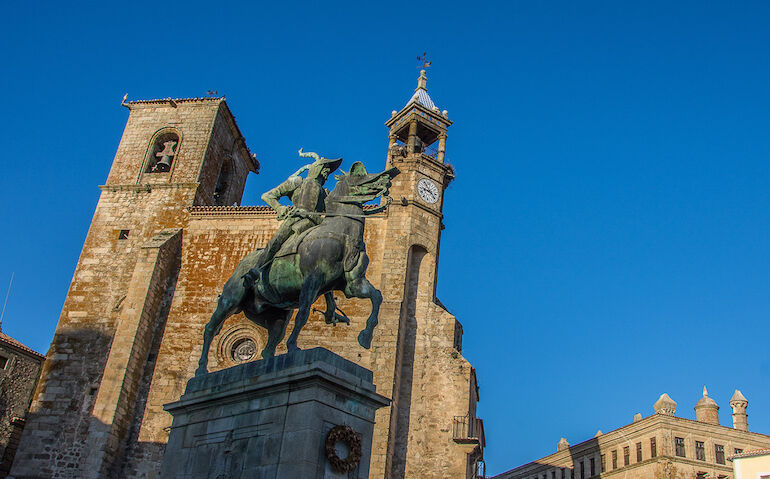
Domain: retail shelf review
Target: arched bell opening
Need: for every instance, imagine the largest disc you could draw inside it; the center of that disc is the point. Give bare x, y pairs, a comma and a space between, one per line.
162, 152
224, 180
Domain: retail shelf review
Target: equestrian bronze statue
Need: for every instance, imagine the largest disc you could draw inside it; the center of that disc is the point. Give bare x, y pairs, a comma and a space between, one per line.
310, 261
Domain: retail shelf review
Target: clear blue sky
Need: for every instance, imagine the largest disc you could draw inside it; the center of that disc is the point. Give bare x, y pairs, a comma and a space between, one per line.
607, 235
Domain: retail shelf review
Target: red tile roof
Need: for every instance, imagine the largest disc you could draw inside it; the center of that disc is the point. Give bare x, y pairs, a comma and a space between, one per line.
755, 452
4, 338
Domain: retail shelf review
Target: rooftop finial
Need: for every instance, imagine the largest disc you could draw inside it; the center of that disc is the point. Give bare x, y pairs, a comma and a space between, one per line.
423, 63
737, 396
422, 81
705, 392
562, 445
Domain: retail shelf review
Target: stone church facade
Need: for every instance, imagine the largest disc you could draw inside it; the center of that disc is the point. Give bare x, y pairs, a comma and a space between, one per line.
162, 243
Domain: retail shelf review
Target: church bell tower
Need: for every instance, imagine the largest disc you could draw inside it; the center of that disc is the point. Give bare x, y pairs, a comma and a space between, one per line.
432, 384
174, 154
417, 147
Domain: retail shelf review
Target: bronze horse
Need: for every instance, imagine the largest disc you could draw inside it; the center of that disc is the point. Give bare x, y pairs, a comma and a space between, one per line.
328, 257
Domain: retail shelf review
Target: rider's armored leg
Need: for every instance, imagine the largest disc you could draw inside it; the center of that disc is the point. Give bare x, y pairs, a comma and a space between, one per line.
267, 254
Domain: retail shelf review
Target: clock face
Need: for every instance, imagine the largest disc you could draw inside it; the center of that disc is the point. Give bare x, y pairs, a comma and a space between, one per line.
427, 190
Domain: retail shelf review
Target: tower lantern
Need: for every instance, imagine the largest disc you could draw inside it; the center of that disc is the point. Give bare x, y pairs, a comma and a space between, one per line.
419, 129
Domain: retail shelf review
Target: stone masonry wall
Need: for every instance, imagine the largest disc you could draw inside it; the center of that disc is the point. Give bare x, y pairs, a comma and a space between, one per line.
215, 241
133, 208
17, 382
227, 164
73, 371
128, 353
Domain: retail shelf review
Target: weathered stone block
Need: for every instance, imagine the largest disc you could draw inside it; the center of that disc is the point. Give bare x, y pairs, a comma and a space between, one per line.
270, 418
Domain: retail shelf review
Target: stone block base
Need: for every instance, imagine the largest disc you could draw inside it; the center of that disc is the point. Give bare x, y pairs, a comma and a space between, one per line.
270, 419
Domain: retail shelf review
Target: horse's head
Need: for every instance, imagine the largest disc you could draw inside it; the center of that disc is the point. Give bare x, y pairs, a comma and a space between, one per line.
359, 187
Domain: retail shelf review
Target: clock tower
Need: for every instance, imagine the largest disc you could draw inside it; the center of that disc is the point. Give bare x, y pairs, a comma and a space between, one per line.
417, 147
432, 428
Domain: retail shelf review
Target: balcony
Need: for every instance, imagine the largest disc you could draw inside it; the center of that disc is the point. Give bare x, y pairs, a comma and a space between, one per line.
468, 430
431, 151
400, 149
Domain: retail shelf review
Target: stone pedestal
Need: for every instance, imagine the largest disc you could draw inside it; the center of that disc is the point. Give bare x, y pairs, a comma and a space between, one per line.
270, 419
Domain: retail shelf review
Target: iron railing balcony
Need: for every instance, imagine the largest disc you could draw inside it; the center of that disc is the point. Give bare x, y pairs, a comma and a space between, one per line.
468, 430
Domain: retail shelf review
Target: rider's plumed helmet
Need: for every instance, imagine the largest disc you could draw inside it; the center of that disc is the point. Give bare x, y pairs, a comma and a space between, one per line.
320, 163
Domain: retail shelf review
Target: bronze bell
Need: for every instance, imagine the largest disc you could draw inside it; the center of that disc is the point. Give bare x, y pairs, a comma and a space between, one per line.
164, 164
166, 156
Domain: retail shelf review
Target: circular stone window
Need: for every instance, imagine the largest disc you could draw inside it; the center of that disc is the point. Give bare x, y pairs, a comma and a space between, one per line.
244, 350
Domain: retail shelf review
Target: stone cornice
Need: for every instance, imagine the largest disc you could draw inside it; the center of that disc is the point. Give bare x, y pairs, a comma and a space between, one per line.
419, 204
423, 160
412, 108
693, 425
199, 212
173, 101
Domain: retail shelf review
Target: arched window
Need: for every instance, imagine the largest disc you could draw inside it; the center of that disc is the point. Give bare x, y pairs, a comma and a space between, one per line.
221, 192
165, 147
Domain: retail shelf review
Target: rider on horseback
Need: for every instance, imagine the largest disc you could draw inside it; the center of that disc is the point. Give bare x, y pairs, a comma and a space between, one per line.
307, 197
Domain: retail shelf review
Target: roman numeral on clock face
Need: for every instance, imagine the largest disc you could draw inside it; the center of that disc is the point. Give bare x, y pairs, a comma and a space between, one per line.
427, 190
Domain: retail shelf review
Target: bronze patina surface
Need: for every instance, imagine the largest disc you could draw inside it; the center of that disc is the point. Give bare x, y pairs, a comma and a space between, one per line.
318, 249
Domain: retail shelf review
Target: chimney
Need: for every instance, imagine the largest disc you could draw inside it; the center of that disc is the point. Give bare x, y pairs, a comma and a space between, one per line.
706, 409
665, 405
739, 405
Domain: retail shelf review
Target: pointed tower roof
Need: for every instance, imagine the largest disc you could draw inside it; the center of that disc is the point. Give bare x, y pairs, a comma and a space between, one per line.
421, 95
420, 104
738, 397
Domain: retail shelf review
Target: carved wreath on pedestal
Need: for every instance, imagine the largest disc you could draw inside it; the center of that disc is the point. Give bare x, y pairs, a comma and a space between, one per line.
350, 437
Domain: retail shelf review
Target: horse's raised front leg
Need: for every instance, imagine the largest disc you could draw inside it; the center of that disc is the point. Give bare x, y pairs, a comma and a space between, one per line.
308, 295
362, 288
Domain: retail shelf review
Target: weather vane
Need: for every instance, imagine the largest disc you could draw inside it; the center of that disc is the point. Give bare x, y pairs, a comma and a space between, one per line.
423, 61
